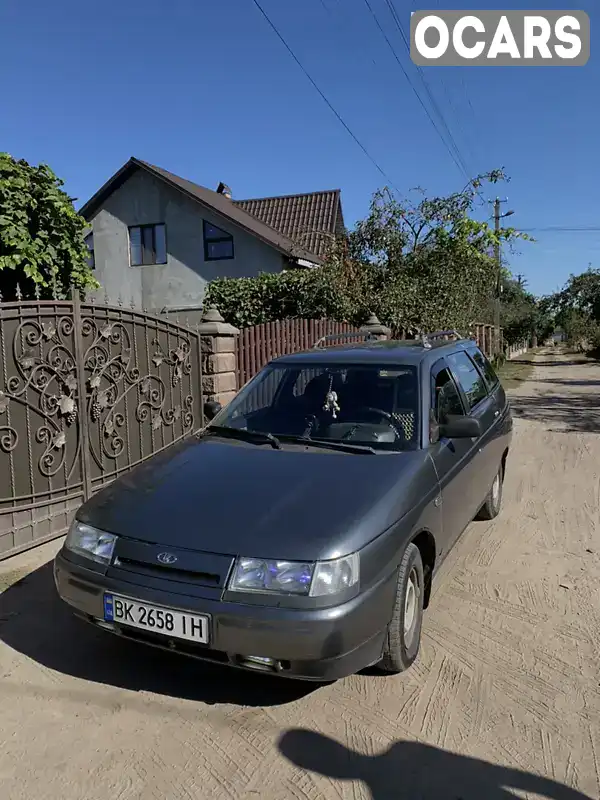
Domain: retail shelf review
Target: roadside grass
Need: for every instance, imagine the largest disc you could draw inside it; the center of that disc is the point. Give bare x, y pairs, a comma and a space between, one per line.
514, 373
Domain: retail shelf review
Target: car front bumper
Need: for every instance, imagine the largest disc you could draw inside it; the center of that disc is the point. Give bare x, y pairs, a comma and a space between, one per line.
320, 645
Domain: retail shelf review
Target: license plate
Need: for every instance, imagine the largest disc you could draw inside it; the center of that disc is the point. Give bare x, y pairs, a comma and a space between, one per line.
168, 621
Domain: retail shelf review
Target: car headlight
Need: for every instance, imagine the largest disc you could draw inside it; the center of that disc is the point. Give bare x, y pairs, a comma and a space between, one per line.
90, 542
295, 577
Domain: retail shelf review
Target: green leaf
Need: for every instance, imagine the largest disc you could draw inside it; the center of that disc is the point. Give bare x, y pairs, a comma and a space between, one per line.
41, 234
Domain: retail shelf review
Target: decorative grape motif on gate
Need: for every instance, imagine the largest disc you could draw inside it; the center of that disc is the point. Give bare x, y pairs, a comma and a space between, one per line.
87, 391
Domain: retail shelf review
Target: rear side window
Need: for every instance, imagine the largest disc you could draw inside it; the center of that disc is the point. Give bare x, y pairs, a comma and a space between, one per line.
469, 377
485, 367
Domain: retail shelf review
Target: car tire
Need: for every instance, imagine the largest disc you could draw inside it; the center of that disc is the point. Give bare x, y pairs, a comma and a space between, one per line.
493, 502
403, 636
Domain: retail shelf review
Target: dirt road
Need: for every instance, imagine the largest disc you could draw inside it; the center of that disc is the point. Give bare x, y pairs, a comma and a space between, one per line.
504, 700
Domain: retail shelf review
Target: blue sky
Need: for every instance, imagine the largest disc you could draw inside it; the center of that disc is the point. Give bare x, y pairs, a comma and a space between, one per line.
207, 91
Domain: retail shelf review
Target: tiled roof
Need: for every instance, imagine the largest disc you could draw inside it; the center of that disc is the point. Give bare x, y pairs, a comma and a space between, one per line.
206, 197
311, 220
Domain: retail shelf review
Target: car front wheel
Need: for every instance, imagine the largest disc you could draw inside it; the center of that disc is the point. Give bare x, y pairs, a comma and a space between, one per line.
404, 631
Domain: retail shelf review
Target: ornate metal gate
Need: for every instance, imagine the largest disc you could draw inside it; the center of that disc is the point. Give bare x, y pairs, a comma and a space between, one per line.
87, 391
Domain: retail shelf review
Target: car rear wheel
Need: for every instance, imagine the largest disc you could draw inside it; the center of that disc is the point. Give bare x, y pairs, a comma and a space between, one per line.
404, 631
493, 502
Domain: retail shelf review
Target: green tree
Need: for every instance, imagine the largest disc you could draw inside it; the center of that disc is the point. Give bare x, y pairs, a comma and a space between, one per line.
419, 264
41, 235
522, 314
433, 260
582, 293
577, 308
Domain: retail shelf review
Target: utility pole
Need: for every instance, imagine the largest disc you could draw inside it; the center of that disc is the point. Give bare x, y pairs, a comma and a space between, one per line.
498, 259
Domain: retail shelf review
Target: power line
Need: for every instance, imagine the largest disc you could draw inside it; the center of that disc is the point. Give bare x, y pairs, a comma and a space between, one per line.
426, 86
456, 158
457, 116
563, 229
323, 96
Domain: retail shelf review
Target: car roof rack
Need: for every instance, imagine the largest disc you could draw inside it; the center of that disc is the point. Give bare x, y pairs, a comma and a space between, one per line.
365, 336
446, 334
442, 337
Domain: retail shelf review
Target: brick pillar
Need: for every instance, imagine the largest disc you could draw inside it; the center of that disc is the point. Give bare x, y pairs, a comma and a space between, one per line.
219, 368
375, 328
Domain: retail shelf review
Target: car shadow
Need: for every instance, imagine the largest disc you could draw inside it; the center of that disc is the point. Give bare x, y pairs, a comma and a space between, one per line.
412, 770
34, 621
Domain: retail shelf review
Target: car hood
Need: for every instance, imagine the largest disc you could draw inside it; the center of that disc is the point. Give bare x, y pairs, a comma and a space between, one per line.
238, 498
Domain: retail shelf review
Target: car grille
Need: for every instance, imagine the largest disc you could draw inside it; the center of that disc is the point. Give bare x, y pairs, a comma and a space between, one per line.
173, 573
187, 566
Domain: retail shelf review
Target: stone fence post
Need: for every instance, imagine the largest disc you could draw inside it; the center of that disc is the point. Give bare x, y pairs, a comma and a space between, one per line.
219, 368
376, 329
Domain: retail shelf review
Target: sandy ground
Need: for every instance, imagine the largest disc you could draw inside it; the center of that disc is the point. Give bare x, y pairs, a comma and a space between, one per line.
504, 700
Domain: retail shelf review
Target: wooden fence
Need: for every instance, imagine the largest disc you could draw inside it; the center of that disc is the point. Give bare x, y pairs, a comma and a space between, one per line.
485, 336
260, 344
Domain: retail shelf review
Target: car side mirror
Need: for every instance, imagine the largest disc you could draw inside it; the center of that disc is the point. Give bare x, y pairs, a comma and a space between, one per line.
212, 408
458, 427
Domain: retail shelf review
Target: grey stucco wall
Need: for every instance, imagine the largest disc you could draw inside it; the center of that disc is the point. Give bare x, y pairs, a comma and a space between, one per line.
144, 199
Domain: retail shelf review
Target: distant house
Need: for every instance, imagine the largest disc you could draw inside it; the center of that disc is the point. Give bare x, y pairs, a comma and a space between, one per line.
156, 239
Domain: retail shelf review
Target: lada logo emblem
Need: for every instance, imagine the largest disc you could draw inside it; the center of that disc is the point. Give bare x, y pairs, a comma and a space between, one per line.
166, 558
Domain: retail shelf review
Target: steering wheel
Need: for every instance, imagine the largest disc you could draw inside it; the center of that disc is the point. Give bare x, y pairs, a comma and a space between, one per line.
398, 430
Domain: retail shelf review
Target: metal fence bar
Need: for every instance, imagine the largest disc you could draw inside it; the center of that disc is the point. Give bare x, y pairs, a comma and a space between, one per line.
81, 395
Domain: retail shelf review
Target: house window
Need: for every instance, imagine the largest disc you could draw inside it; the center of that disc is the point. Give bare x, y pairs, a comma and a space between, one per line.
147, 245
218, 244
89, 240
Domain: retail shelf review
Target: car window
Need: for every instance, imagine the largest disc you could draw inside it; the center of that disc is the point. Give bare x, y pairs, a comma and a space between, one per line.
305, 376
485, 367
258, 394
446, 397
373, 404
468, 376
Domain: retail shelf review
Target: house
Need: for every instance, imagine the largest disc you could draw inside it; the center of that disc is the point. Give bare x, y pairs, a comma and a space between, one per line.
156, 239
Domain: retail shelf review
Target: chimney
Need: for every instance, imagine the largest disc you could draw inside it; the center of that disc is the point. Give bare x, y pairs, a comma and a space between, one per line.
223, 189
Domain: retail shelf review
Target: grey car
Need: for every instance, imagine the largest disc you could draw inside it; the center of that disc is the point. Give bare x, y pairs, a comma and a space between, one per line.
300, 531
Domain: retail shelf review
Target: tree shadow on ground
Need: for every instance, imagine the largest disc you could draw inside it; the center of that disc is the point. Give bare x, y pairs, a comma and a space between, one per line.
34, 621
414, 771
571, 413
540, 361
568, 382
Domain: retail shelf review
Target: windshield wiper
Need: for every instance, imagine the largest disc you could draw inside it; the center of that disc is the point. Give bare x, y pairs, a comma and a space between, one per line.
257, 437
362, 449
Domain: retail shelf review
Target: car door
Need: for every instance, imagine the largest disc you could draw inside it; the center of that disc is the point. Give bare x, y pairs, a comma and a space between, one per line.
482, 405
501, 422
453, 458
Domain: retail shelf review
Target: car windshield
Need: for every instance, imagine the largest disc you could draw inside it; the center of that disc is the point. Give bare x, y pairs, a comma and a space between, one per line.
370, 405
